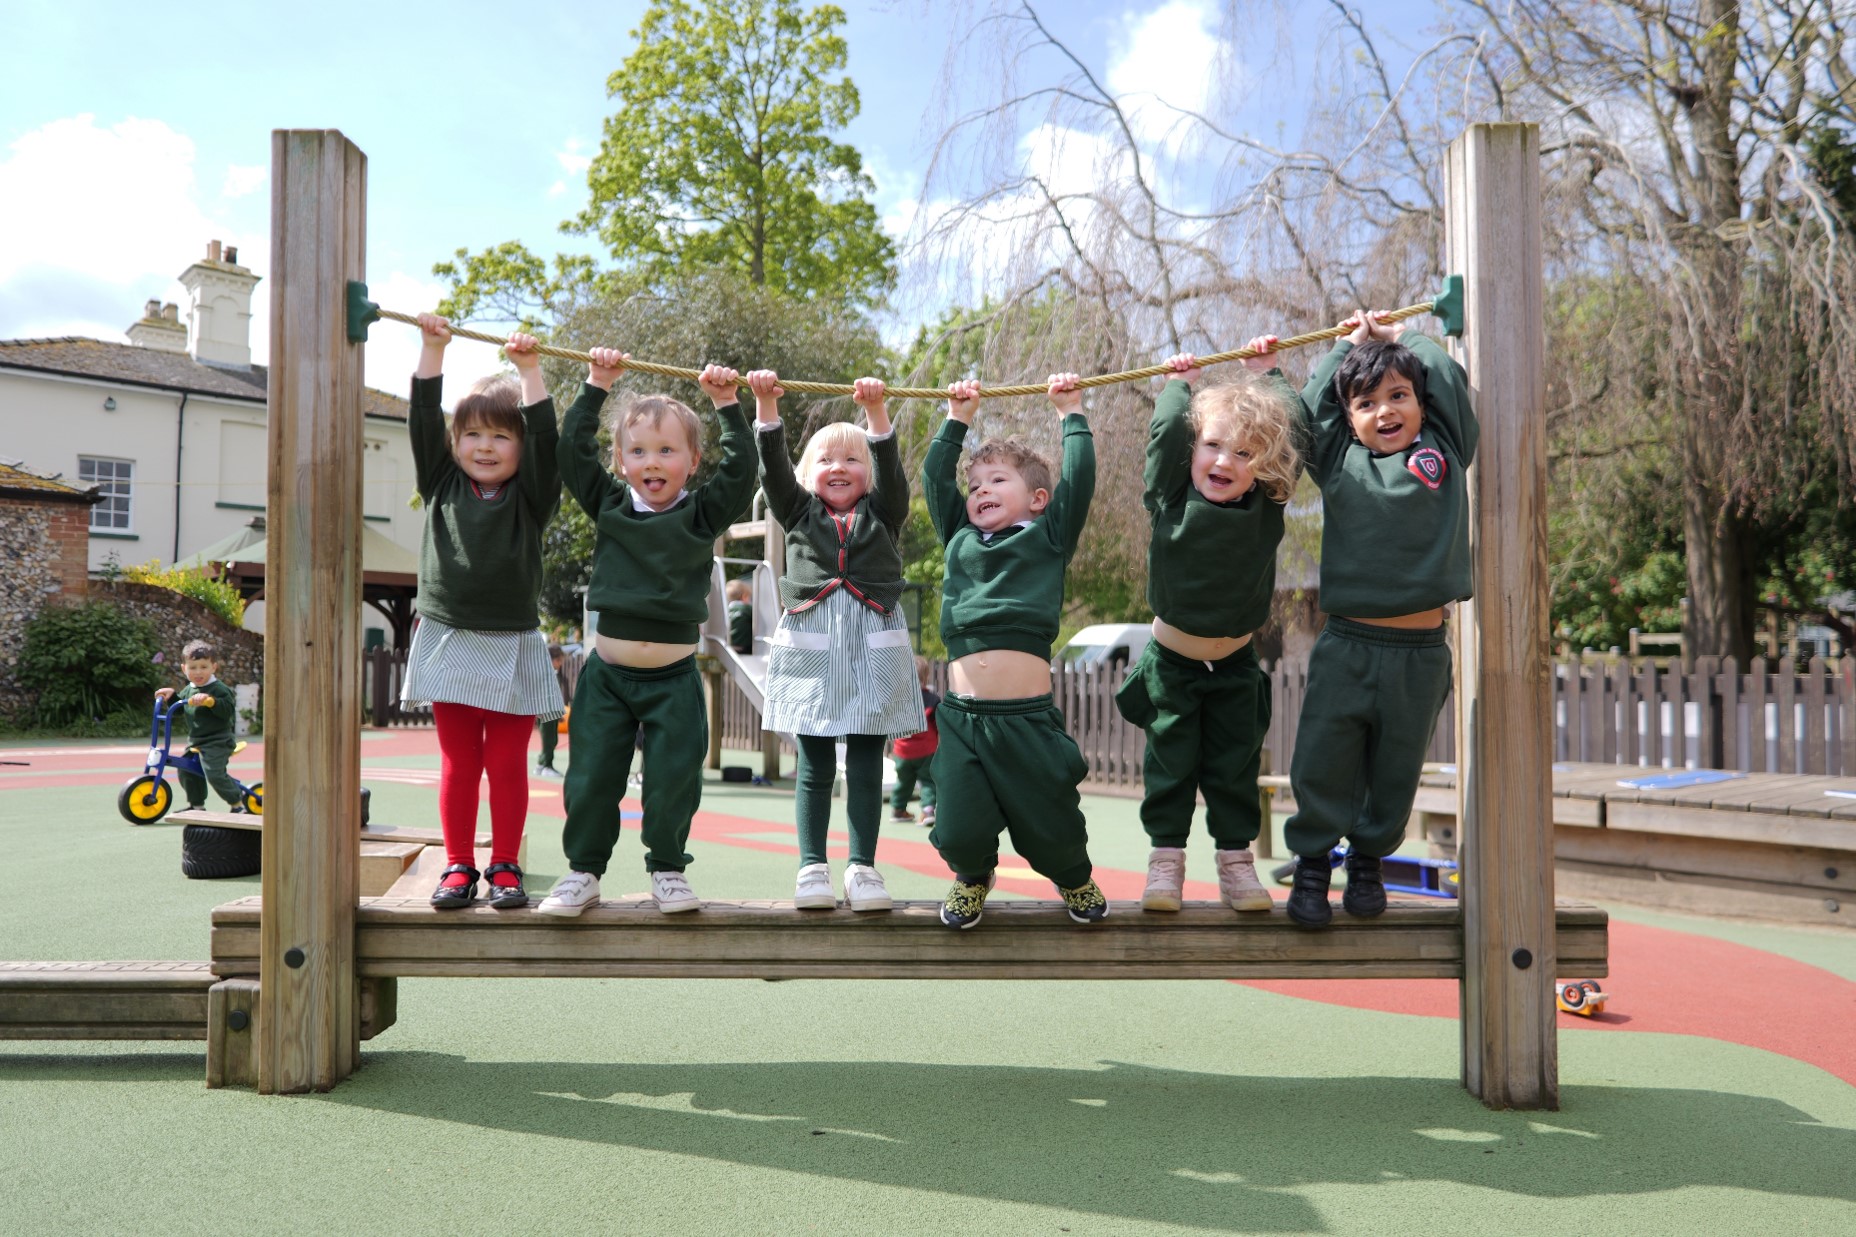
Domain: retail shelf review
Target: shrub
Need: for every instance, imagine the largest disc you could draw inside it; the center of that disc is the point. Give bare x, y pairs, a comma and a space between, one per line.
216, 595
87, 662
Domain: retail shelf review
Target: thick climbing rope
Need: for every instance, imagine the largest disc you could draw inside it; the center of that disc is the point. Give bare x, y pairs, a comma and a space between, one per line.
1023, 388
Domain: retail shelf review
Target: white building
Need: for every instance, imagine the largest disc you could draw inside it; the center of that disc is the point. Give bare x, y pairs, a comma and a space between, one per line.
172, 425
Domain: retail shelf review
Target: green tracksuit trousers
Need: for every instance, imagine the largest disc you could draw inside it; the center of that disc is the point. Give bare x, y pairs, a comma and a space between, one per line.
214, 753
612, 705
1373, 697
908, 773
1008, 766
1205, 723
550, 739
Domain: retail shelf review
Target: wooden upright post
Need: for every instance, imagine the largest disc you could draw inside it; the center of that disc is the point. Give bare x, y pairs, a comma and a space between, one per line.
1504, 685
308, 1021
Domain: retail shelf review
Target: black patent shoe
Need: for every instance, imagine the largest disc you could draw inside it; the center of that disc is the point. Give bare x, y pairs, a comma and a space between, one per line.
1308, 895
455, 897
505, 897
1365, 895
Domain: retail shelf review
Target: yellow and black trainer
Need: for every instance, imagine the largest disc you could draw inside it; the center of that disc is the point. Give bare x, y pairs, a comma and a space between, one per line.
1085, 902
966, 900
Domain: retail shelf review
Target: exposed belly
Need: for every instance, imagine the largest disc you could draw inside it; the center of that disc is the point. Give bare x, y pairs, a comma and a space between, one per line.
999, 674
640, 654
1198, 648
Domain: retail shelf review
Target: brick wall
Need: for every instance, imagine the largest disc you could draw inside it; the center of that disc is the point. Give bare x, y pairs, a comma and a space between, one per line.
44, 558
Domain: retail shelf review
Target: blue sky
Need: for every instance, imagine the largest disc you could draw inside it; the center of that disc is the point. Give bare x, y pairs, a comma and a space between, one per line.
130, 134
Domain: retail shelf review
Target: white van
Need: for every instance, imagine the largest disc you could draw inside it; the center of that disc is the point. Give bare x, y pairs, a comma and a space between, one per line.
1105, 644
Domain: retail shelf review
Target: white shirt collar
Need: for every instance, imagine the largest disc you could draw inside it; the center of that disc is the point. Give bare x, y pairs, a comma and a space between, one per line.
996, 532
641, 506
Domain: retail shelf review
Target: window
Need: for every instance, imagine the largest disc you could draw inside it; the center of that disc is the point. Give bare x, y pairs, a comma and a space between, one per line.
113, 479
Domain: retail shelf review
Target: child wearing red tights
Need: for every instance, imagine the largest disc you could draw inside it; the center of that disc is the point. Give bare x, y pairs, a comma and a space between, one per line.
489, 483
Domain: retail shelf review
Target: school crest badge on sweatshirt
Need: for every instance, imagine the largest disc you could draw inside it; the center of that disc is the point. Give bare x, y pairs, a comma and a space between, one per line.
1427, 465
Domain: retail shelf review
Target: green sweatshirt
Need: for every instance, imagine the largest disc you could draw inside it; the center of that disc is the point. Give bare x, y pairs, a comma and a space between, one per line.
856, 550
652, 569
219, 721
1211, 567
480, 558
1007, 592
1395, 528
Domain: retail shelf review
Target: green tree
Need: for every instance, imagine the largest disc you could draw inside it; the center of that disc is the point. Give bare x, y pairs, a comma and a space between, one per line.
719, 157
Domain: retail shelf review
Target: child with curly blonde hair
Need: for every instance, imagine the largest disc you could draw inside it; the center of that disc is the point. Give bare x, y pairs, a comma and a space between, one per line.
1221, 466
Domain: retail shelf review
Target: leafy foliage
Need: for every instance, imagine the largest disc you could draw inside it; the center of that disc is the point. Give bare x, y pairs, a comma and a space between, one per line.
87, 662
215, 594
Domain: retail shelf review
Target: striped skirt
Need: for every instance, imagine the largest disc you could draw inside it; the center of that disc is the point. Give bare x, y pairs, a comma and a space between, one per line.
503, 671
842, 668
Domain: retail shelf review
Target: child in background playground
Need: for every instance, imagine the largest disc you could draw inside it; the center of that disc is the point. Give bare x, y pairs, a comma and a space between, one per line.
490, 485
839, 667
1004, 761
1221, 465
550, 727
740, 615
652, 567
914, 755
1390, 432
212, 717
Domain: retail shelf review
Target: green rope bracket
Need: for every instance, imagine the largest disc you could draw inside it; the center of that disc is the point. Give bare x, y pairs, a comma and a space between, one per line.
361, 312
1448, 305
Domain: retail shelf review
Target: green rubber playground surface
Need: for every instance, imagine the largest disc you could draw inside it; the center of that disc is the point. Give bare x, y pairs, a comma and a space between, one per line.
1718, 1096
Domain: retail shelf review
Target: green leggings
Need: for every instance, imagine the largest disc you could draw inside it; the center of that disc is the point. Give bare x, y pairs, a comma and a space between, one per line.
1372, 702
863, 793
1008, 766
908, 772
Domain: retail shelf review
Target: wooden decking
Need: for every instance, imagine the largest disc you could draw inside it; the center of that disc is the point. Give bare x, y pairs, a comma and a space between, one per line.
1016, 940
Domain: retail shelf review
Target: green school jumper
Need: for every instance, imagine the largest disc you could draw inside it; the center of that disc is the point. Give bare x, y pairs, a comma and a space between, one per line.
1008, 765
211, 732
1395, 540
1211, 571
651, 577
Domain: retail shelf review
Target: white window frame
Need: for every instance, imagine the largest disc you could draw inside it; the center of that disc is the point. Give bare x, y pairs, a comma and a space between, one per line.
116, 482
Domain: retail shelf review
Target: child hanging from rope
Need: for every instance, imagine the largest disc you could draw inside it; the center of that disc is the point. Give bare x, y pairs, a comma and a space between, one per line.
1391, 433
1005, 763
1221, 465
652, 568
840, 668
489, 486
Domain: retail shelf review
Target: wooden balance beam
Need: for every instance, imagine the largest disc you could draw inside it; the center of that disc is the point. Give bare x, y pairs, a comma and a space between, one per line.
104, 1000
630, 938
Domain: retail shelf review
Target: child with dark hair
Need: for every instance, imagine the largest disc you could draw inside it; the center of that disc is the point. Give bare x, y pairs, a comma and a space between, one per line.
490, 484
212, 719
914, 754
550, 727
1390, 434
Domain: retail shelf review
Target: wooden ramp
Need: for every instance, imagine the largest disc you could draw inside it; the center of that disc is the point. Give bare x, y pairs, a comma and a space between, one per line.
1017, 940
104, 1000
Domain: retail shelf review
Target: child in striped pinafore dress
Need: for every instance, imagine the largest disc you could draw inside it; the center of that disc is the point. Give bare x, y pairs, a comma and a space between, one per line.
489, 484
840, 666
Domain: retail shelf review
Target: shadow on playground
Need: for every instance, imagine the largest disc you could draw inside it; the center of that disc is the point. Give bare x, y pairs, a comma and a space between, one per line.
1210, 1150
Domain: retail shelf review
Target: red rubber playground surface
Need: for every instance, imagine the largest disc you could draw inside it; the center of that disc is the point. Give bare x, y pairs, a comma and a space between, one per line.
1662, 980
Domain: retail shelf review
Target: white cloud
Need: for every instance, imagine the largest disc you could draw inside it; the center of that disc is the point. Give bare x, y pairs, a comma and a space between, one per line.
1170, 56
572, 158
242, 180
557, 188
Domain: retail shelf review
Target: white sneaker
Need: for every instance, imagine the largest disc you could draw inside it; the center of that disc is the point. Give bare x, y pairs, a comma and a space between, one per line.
864, 888
672, 893
571, 894
812, 891
1238, 884
1166, 875
549, 771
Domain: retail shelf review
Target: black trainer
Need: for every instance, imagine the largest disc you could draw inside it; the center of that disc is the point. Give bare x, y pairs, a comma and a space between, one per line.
1308, 896
505, 897
1365, 895
452, 897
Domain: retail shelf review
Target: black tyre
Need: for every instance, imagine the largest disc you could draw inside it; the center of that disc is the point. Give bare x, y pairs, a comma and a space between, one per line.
1573, 996
366, 795
145, 800
208, 852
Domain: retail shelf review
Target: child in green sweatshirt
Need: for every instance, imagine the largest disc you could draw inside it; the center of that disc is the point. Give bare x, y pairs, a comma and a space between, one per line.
652, 568
1005, 762
212, 717
1390, 435
1221, 465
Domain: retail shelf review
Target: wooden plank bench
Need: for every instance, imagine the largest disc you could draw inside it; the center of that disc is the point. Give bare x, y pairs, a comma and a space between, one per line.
629, 938
104, 1000
387, 853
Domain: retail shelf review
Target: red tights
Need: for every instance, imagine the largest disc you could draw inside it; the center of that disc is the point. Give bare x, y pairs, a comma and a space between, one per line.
473, 742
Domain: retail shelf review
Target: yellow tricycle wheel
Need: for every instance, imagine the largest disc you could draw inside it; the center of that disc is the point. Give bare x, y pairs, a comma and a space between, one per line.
145, 800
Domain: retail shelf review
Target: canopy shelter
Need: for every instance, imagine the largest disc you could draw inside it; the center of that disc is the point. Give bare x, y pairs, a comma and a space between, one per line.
389, 572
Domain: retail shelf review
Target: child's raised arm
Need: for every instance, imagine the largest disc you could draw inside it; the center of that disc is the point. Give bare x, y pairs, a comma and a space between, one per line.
432, 460
726, 496
1447, 405
891, 482
947, 507
786, 498
1168, 468
539, 477
583, 473
1076, 485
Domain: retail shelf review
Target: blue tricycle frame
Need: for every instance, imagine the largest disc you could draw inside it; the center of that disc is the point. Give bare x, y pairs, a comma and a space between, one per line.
1409, 874
146, 799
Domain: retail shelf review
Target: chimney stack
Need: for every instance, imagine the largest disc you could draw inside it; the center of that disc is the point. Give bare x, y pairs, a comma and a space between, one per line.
219, 308
212, 251
159, 329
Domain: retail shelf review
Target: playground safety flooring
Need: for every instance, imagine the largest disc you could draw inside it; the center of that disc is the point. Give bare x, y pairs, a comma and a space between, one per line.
1717, 1094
